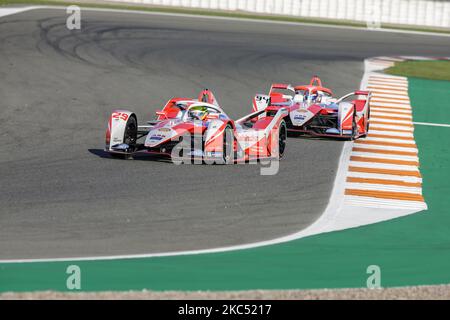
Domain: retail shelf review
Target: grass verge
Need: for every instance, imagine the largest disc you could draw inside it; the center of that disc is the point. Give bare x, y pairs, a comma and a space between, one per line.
433, 70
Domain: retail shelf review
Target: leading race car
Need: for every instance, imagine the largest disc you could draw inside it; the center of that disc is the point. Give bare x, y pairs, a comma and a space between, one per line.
198, 129
313, 109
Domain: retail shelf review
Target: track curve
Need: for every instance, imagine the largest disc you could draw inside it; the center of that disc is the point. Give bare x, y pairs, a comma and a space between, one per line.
61, 197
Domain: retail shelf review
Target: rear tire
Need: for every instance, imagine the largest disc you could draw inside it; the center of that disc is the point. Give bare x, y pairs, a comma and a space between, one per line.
367, 123
354, 129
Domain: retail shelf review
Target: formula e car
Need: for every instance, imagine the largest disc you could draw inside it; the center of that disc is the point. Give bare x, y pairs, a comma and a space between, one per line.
313, 109
198, 129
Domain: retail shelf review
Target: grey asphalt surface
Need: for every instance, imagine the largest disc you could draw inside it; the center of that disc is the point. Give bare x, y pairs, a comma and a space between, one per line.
61, 196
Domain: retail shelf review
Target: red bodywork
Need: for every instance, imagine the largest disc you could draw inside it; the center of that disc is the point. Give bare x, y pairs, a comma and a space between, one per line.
317, 114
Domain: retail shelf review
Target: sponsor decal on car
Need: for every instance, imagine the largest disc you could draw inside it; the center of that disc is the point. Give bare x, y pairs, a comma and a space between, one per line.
299, 117
214, 154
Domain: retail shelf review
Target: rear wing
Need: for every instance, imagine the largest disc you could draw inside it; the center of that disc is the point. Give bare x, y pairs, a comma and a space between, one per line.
260, 102
207, 96
281, 86
281, 113
365, 93
315, 81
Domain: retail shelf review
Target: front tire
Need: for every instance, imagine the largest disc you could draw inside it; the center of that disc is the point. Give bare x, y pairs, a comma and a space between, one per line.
282, 135
130, 134
228, 145
129, 138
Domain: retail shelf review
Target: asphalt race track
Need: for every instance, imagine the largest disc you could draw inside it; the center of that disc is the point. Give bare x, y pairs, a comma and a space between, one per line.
62, 196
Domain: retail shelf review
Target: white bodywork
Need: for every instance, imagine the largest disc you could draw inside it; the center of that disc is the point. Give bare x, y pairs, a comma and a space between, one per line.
116, 127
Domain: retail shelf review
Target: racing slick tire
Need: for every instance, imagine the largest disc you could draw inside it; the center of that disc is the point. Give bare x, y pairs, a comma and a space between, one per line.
129, 138
354, 129
228, 145
282, 135
367, 124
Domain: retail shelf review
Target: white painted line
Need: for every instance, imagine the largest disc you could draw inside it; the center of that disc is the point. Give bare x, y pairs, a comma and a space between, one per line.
383, 187
392, 101
388, 78
376, 165
432, 124
391, 110
394, 92
390, 140
391, 96
384, 176
392, 127
393, 85
384, 114
392, 104
384, 203
386, 148
386, 87
405, 103
375, 118
384, 156
417, 58
384, 65
384, 138
406, 134
389, 59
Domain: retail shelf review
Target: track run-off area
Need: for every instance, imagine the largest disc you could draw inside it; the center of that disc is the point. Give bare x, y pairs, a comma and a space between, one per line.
63, 197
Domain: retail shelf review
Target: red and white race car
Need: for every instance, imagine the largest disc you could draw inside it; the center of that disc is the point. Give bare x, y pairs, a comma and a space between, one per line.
313, 109
198, 129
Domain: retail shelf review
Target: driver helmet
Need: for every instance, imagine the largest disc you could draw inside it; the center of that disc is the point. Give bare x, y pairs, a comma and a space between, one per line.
198, 113
311, 97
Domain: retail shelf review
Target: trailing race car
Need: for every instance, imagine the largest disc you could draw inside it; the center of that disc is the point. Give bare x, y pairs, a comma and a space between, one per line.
198, 129
313, 109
